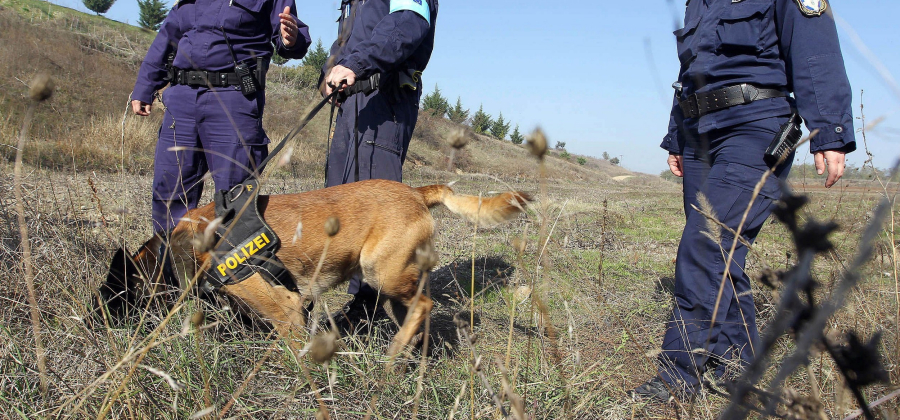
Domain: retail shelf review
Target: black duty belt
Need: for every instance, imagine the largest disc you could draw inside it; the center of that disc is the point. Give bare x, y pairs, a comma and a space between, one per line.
206, 78
365, 86
700, 104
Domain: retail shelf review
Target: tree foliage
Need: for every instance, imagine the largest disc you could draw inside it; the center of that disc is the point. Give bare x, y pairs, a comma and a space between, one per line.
98, 6
457, 114
151, 13
560, 145
605, 156
500, 128
317, 56
481, 121
516, 137
435, 104
614, 161
277, 59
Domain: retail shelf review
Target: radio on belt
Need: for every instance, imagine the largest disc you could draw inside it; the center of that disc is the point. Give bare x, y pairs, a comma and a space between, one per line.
242, 70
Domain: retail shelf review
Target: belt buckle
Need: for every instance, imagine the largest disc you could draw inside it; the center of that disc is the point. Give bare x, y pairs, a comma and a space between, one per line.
691, 107
749, 92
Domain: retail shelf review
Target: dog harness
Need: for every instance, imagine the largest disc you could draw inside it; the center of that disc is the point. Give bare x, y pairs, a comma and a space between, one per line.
246, 244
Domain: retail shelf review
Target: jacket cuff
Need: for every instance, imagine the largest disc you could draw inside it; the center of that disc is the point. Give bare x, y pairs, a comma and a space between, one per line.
834, 137
671, 144
143, 94
354, 65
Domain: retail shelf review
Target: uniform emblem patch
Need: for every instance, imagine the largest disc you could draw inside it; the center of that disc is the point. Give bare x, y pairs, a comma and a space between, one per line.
812, 7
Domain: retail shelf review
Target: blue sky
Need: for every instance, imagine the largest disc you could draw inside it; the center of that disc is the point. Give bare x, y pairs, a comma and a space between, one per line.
596, 74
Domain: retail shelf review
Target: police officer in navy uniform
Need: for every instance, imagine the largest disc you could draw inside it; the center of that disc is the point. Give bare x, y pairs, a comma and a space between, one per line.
746, 67
212, 123
383, 47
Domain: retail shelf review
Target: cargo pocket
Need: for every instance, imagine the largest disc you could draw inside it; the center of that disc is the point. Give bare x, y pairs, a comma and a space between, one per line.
382, 129
741, 25
379, 148
687, 50
742, 180
247, 114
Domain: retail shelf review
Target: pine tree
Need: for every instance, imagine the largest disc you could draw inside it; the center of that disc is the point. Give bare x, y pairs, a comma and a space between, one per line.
151, 13
481, 122
317, 56
500, 128
277, 59
516, 137
98, 6
457, 114
435, 103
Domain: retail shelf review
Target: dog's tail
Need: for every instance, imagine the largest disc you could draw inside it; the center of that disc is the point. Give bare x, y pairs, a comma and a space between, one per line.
486, 211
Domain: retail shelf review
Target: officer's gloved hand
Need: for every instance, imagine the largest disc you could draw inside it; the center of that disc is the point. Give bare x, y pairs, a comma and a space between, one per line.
834, 161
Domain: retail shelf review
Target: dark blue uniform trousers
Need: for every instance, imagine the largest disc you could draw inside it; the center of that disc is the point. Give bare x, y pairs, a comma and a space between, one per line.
219, 132
381, 126
725, 165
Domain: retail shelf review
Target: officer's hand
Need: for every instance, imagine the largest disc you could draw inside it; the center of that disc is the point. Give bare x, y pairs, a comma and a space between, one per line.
676, 165
140, 108
289, 28
340, 77
835, 163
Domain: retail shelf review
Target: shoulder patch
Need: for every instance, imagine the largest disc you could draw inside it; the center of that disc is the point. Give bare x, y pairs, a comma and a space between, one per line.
812, 7
418, 6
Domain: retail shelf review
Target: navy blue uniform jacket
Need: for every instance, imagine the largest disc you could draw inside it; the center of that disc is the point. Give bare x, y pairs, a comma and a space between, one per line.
192, 29
768, 43
381, 41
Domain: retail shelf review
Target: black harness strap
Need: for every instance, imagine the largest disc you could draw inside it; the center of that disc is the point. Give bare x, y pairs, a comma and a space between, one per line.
247, 244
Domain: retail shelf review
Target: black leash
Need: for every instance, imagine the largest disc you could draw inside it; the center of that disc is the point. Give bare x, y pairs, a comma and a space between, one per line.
328, 136
289, 136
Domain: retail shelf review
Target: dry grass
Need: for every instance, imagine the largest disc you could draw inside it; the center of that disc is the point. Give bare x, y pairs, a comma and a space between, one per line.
605, 334
549, 338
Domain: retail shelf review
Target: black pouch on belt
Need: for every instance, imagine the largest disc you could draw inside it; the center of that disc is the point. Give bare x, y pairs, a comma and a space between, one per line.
785, 141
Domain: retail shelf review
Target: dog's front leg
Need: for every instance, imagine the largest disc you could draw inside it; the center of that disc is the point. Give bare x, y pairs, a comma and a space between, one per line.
282, 307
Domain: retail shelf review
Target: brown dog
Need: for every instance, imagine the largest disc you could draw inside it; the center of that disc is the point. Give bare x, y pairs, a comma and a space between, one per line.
382, 224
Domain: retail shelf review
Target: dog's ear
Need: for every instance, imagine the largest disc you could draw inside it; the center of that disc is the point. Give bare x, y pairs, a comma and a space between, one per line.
117, 292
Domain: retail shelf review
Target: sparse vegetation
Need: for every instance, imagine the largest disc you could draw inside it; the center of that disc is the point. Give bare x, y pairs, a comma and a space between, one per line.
553, 316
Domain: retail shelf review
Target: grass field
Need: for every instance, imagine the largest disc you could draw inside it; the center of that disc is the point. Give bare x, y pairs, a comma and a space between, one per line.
607, 325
